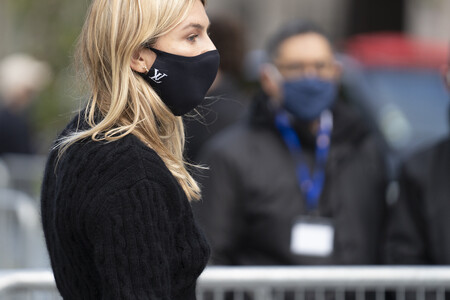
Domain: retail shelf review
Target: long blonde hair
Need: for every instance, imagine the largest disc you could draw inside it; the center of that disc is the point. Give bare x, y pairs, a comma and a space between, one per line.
113, 31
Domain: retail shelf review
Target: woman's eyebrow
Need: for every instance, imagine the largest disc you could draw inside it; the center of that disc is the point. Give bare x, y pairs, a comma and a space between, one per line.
196, 26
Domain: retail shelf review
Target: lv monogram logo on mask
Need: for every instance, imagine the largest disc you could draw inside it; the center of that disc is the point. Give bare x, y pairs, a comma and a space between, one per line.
158, 76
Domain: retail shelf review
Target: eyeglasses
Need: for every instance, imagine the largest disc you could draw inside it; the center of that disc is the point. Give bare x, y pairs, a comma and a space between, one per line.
299, 69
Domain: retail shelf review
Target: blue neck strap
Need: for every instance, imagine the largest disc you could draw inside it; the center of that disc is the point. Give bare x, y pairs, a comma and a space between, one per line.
311, 183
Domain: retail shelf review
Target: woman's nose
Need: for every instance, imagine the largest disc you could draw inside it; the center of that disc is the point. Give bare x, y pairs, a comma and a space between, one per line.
209, 45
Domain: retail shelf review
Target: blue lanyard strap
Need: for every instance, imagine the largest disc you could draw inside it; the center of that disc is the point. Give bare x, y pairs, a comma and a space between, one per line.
311, 183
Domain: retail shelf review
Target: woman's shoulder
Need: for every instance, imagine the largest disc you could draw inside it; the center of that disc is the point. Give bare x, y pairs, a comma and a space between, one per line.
100, 170
124, 161
127, 157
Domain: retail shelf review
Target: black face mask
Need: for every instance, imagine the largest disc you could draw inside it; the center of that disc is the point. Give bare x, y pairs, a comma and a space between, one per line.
182, 81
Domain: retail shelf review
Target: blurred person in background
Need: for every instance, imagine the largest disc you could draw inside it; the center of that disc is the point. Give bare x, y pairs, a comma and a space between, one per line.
419, 225
300, 181
225, 99
22, 77
115, 196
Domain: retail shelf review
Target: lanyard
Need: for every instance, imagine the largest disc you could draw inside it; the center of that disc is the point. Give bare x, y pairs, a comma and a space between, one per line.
311, 183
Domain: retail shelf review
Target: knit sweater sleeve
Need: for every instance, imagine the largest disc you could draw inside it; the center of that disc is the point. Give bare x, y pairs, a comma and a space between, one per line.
131, 243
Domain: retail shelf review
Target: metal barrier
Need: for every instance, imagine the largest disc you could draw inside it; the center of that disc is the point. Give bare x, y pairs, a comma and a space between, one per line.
24, 172
22, 242
4, 175
276, 283
21, 238
28, 284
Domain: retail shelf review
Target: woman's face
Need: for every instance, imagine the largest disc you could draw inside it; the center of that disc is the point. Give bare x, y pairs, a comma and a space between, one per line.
190, 37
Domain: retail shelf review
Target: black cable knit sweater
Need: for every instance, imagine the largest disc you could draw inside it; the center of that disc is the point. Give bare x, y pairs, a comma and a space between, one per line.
118, 225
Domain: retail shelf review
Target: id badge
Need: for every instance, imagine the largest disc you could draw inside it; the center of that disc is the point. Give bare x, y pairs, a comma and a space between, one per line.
312, 236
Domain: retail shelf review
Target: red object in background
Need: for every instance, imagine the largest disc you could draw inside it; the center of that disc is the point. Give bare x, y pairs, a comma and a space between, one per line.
396, 50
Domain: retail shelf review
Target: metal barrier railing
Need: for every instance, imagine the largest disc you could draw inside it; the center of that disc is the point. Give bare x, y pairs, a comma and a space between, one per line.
264, 283
24, 172
21, 238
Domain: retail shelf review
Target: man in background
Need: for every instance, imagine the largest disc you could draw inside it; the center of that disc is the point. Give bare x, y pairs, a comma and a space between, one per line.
21, 78
419, 224
300, 180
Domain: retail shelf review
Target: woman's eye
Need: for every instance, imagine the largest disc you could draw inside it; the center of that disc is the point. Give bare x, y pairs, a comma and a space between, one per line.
192, 38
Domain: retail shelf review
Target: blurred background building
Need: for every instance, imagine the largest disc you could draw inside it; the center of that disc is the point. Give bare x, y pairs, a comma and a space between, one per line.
48, 29
341, 18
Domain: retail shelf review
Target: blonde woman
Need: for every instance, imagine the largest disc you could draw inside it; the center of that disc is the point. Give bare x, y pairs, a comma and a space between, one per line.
116, 192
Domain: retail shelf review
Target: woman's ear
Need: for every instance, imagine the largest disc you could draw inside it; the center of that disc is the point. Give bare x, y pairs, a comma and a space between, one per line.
142, 60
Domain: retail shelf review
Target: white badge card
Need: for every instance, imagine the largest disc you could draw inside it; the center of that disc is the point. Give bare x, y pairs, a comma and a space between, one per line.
312, 236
